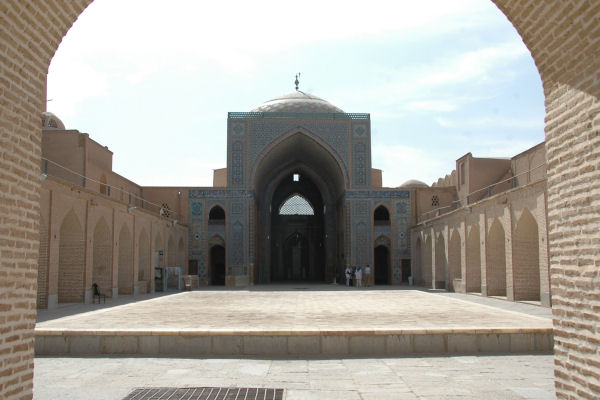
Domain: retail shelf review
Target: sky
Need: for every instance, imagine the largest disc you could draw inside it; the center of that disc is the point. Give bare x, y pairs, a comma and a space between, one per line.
154, 80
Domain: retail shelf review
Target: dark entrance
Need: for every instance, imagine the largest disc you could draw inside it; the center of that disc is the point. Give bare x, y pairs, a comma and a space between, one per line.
297, 251
217, 265
382, 269
405, 270
295, 257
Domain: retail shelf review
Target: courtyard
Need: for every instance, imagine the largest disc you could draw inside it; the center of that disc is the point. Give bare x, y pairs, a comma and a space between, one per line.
300, 311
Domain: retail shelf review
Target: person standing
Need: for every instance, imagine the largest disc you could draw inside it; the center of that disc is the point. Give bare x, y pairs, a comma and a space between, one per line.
358, 275
348, 273
367, 275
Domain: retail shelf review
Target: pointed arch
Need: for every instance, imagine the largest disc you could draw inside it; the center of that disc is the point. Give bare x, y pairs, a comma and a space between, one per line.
526, 258
427, 264
496, 260
473, 260
216, 216
125, 275
381, 215
454, 260
71, 260
102, 257
296, 204
295, 142
440, 262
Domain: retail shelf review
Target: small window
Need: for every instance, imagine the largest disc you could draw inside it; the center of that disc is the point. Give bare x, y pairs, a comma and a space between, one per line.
164, 210
216, 215
296, 205
462, 173
435, 201
296, 177
381, 216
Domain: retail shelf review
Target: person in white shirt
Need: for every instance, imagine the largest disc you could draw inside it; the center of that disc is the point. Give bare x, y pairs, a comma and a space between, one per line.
348, 273
358, 275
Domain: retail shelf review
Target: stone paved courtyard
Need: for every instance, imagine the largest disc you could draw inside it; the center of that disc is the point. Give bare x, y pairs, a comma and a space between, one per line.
301, 307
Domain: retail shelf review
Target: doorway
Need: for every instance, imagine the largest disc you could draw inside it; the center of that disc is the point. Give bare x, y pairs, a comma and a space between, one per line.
217, 265
382, 267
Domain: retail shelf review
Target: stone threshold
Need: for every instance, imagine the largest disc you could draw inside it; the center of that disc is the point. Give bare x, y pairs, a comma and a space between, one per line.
339, 343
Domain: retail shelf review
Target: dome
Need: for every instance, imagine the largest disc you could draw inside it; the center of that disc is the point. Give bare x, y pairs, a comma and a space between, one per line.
298, 102
414, 183
51, 121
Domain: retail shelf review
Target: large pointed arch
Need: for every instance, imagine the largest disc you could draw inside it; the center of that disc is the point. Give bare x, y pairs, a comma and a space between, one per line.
299, 145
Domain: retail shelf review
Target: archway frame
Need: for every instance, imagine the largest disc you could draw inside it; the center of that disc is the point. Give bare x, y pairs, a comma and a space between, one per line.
569, 74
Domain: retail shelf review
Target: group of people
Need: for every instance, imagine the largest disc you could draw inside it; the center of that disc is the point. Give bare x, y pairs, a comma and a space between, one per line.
357, 274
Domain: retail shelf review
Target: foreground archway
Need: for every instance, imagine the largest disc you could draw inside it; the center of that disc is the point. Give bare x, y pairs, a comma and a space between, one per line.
570, 75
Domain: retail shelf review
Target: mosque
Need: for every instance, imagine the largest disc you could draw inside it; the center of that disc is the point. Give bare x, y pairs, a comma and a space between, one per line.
298, 201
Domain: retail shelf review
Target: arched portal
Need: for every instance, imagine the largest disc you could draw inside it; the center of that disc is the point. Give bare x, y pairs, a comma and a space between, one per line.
382, 265
71, 260
526, 259
473, 261
297, 183
144, 274
440, 262
454, 260
102, 257
496, 261
125, 261
217, 265
427, 264
297, 231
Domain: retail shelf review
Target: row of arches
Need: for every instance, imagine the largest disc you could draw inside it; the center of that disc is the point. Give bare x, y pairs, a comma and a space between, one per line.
112, 261
496, 264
